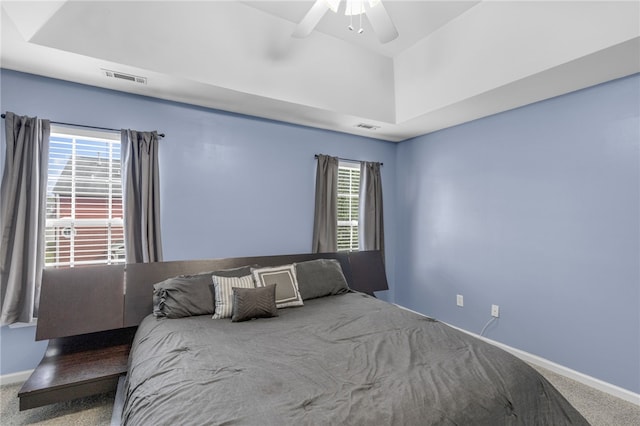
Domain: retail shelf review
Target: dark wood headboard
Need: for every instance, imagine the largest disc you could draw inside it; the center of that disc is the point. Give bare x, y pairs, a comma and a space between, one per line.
86, 300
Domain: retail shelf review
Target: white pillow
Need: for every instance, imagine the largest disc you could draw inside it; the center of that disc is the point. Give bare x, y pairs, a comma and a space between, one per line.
224, 293
284, 277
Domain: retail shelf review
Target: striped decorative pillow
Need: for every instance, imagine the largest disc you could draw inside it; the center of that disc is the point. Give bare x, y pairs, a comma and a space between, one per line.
224, 293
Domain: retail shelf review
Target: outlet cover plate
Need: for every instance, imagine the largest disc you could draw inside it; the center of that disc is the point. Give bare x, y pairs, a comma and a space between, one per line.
495, 311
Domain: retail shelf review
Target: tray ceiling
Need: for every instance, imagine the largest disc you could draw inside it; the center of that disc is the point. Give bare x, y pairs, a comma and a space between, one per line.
453, 62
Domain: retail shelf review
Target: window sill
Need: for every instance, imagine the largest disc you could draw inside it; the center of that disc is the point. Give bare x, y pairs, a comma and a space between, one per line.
33, 323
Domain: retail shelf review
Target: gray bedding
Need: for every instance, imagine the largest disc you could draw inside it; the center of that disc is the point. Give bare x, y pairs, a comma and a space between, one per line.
341, 360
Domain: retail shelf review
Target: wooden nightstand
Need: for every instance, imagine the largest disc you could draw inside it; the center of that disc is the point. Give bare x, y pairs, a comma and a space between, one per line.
78, 366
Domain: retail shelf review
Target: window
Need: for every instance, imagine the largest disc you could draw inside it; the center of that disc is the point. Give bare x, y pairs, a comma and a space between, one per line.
84, 199
348, 206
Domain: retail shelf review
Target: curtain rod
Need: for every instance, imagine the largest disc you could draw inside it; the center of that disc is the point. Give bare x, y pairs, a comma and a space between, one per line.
347, 159
85, 126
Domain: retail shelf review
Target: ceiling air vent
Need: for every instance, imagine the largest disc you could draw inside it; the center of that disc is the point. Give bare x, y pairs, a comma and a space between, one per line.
367, 126
126, 77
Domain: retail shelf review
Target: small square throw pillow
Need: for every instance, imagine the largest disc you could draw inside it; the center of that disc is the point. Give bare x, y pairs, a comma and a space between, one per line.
284, 277
224, 293
249, 303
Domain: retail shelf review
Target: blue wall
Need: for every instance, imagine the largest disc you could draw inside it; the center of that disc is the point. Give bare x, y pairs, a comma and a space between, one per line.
537, 210
231, 185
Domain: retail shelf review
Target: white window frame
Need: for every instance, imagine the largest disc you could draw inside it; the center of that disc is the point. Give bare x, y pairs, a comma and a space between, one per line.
71, 222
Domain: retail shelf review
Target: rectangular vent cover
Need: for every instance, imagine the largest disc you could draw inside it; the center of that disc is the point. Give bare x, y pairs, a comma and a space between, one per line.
126, 77
367, 126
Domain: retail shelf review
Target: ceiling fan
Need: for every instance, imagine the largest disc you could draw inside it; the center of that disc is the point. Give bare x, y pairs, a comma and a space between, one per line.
373, 9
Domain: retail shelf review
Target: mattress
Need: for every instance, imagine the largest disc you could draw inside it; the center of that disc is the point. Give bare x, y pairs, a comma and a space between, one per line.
346, 359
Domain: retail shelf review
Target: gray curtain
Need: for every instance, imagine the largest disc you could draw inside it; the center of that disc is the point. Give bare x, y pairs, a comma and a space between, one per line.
325, 219
371, 218
141, 196
22, 216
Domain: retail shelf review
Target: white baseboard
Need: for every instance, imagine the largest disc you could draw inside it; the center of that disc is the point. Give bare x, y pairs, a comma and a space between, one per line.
20, 376
598, 384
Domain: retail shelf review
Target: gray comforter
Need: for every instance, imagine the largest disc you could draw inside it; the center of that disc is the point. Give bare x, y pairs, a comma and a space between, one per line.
339, 360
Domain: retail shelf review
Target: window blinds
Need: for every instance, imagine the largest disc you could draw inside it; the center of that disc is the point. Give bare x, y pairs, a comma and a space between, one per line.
348, 206
84, 201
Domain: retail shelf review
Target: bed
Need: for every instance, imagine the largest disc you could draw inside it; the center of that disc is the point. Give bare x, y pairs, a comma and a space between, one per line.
340, 358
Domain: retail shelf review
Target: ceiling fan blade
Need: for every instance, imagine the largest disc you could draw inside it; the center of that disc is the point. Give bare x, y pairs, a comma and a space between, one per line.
381, 22
311, 19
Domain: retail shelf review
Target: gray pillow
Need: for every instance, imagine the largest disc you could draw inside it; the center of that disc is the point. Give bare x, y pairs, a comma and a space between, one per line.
319, 278
242, 271
249, 303
183, 296
189, 295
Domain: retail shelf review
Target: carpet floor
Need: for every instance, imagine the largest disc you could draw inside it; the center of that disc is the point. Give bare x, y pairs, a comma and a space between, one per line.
599, 408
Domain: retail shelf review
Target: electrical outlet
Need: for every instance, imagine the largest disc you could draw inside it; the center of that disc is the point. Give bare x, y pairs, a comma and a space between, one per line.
495, 311
459, 300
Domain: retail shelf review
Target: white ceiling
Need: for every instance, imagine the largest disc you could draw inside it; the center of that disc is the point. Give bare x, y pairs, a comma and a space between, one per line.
454, 61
